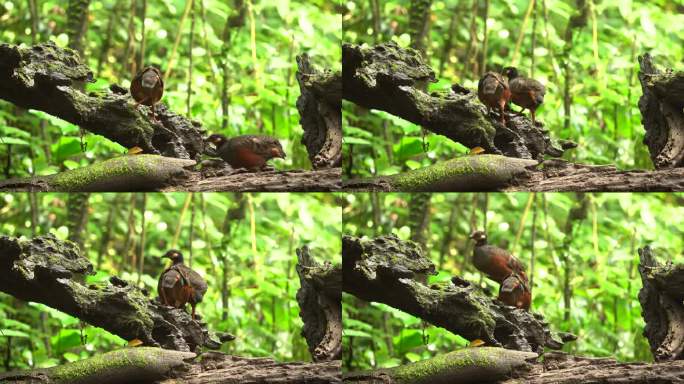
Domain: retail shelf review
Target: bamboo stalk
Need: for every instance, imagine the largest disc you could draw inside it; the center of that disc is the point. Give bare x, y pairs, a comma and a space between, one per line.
188, 5
521, 225
176, 234
518, 42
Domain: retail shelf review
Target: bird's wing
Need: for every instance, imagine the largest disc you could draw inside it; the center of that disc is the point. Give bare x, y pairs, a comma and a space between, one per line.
170, 278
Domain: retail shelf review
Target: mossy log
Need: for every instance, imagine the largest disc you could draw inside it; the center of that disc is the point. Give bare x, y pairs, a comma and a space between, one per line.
661, 106
155, 365
320, 108
48, 78
394, 272
49, 271
662, 303
469, 173
120, 174
393, 79
320, 303
143, 365
465, 366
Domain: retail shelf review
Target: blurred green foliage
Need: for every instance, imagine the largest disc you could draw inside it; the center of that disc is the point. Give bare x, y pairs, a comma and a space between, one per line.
258, 50
598, 252
259, 251
600, 57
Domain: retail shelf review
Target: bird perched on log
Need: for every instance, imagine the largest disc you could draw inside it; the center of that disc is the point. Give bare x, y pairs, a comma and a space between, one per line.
504, 268
515, 291
495, 262
147, 88
525, 92
493, 91
179, 285
247, 151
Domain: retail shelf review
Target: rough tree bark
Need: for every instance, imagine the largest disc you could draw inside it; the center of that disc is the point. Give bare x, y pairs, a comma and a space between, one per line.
320, 108
508, 174
389, 78
662, 114
388, 270
661, 299
156, 365
320, 303
52, 272
46, 77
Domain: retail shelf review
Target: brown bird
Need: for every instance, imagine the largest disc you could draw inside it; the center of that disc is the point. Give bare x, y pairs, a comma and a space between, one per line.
515, 291
494, 93
247, 151
525, 92
179, 285
496, 263
147, 88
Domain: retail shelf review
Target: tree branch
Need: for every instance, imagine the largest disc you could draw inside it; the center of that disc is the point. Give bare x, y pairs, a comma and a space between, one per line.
391, 271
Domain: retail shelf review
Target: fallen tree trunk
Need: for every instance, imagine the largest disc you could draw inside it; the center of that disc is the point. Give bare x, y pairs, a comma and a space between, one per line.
320, 303
147, 365
661, 299
46, 77
562, 368
390, 271
470, 365
49, 271
662, 116
393, 79
320, 108
499, 173
470, 173
158, 173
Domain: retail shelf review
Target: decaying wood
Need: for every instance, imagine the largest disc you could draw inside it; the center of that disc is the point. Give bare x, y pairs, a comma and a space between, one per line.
662, 114
320, 303
145, 364
469, 173
662, 303
158, 173
562, 368
49, 271
506, 174
465, 366
393, 79
155, 365
391, 271
320, 108
47, 78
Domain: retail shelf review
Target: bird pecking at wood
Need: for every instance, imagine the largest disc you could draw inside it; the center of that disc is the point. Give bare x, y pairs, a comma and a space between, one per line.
179, 284
147, 88
247, 151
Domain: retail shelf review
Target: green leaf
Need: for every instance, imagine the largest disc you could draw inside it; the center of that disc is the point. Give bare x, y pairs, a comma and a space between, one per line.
12, 333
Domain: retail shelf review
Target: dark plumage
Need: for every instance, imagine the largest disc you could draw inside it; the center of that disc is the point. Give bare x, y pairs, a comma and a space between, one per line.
525, 92
247, 151
179, 285
493, 91
495, 262
515, 291
147, 88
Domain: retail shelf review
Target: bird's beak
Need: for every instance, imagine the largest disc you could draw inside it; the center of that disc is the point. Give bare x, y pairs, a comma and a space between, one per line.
277, 152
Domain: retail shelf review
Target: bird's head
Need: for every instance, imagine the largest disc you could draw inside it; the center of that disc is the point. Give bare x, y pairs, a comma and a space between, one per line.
510, 72
277, 150
479, 236
174, 255
150, 77
217, 139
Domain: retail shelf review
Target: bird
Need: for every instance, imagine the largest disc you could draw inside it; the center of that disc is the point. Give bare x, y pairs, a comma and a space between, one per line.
147, 88
525, 92
496, 263
515, 292
493, 91
179, 284
247, 151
